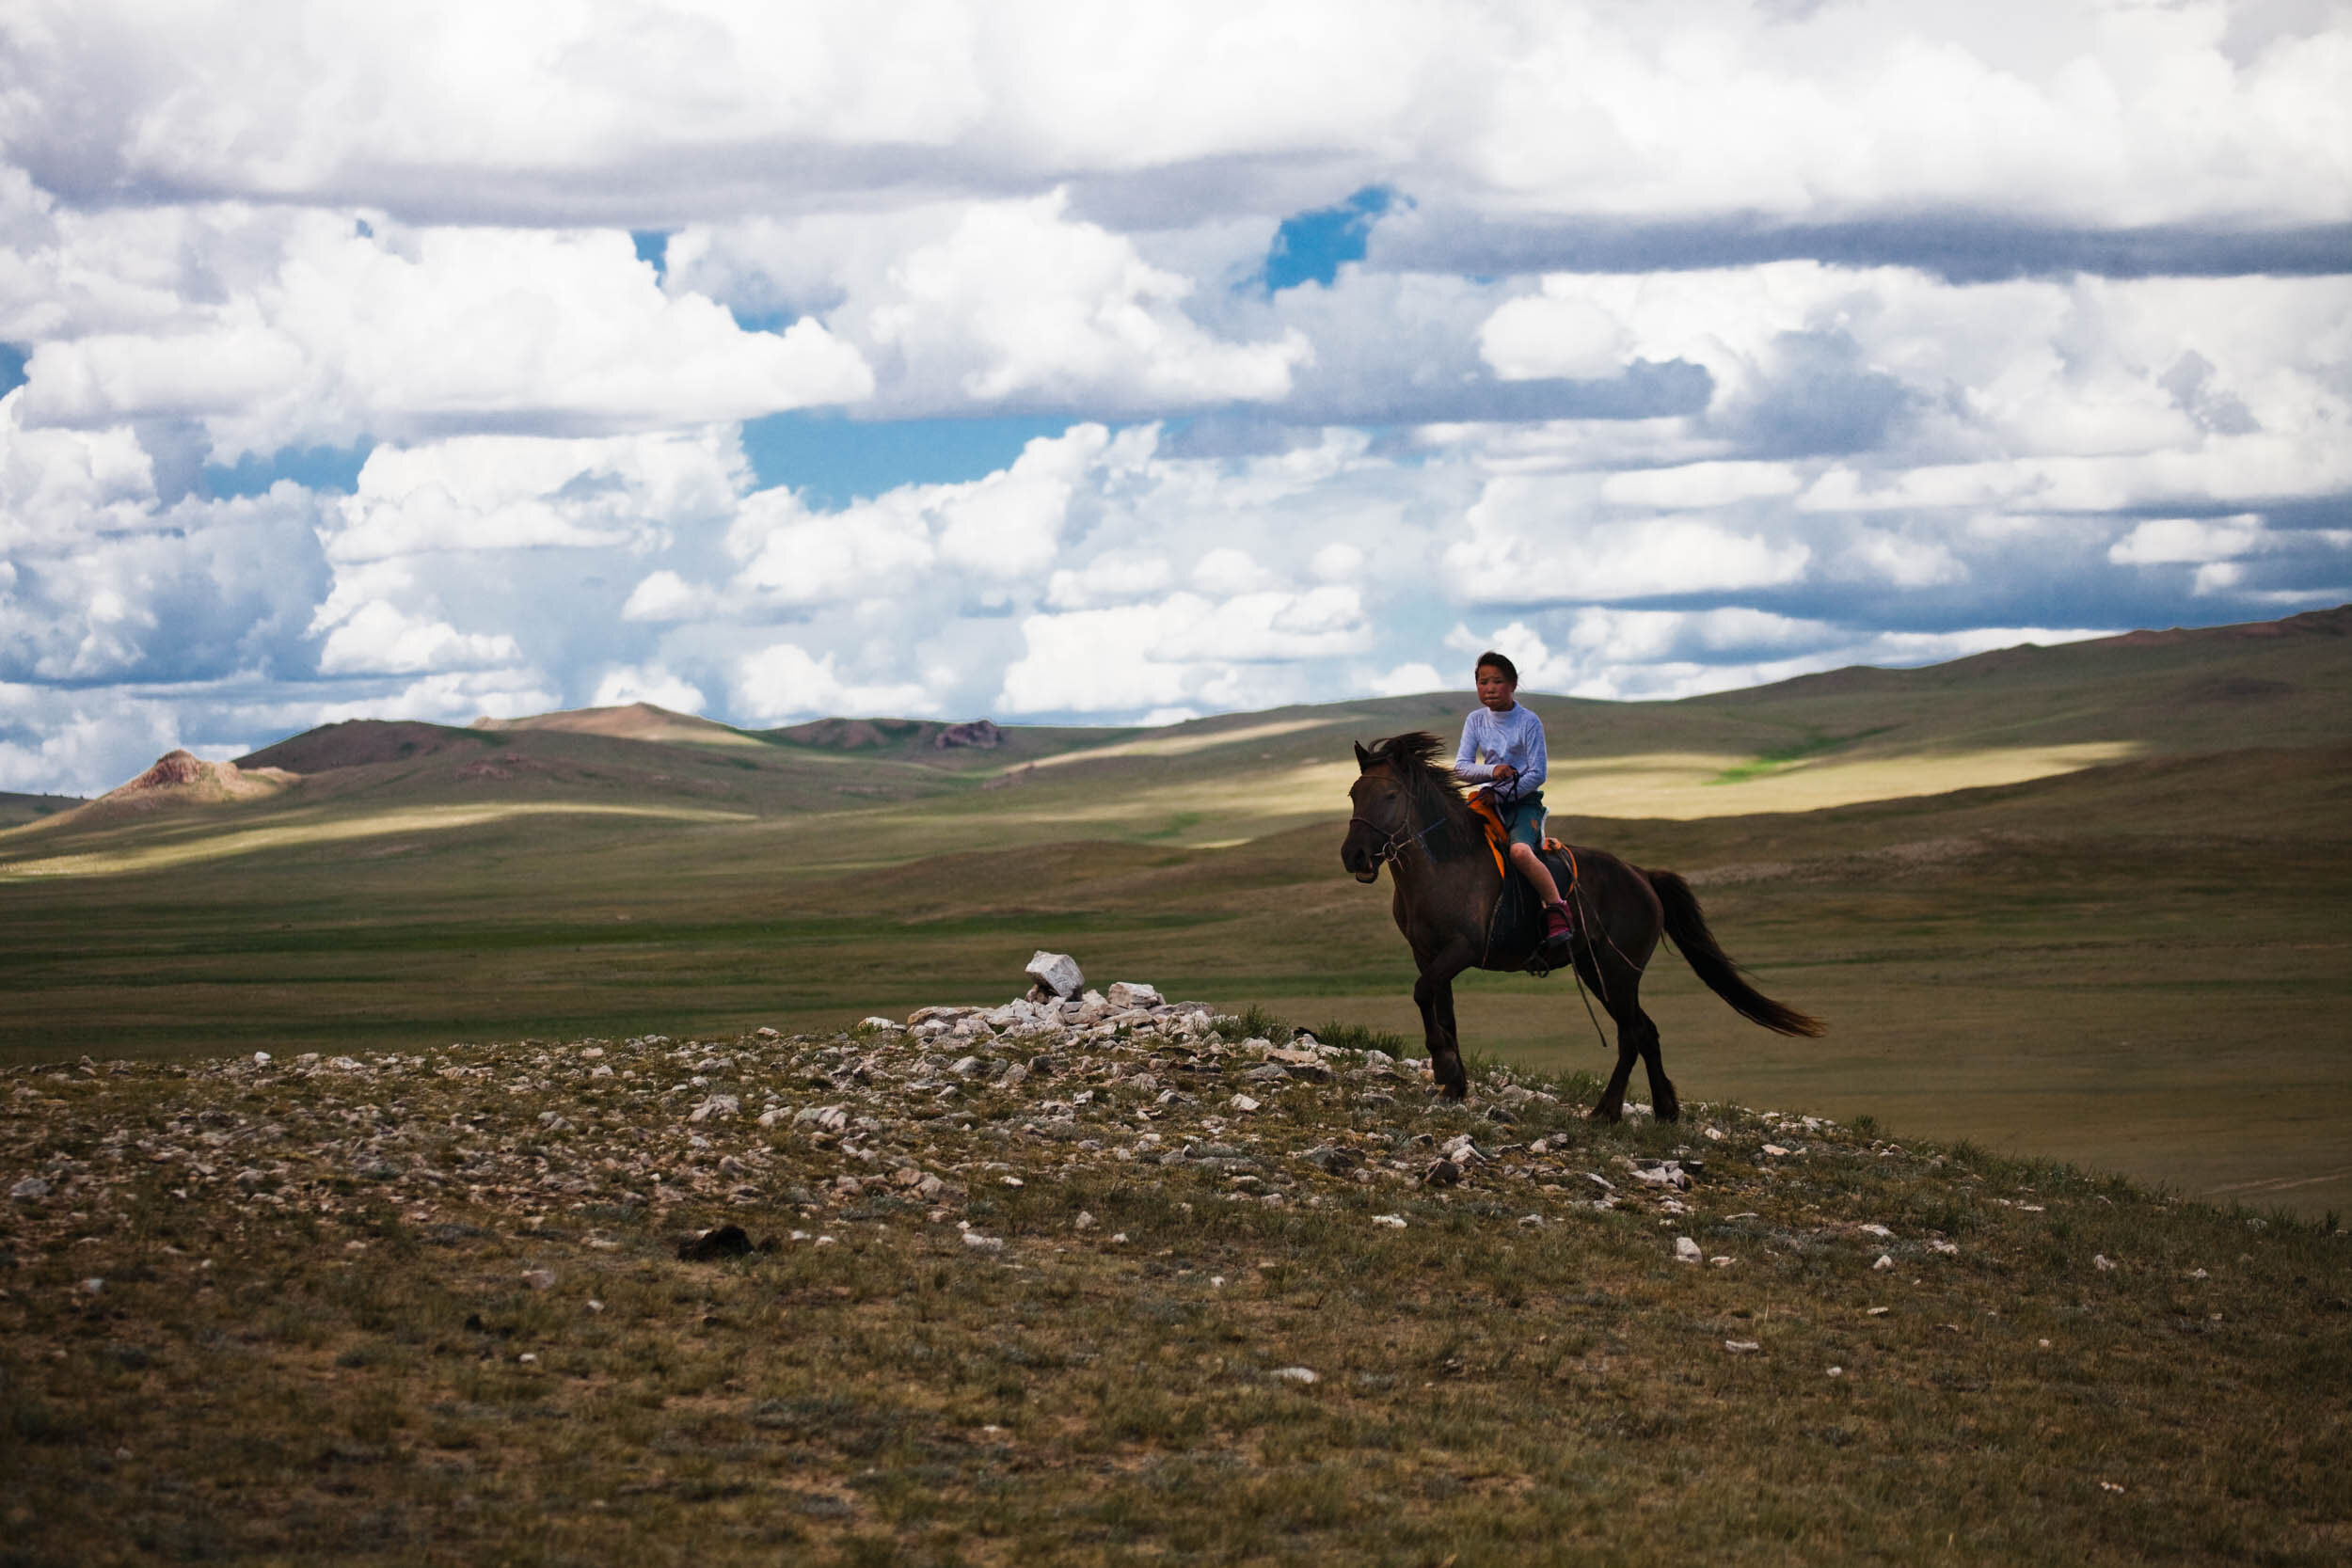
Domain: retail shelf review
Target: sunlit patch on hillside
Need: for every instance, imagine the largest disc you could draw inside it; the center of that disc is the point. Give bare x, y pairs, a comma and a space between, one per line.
199, 848
1184, 745
1686, 786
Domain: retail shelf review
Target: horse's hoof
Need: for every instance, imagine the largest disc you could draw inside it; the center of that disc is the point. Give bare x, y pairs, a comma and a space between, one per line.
1604, 1113
1669, 1113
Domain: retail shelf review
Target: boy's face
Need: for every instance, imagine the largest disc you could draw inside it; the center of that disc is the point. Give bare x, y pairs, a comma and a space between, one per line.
1495, 689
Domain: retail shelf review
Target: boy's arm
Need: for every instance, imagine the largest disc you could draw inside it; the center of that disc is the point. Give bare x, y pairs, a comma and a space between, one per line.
1464, 765
1531, 777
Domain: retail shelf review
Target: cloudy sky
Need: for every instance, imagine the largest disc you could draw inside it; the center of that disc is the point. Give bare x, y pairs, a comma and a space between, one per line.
1116, 363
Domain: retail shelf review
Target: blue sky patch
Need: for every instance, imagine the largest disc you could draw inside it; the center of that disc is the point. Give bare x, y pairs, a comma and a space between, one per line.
12, 368
653, 247
335, 468
832, 459
1312, 247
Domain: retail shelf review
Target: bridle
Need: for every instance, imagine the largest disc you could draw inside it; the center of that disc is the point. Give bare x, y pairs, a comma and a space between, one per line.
1398, 840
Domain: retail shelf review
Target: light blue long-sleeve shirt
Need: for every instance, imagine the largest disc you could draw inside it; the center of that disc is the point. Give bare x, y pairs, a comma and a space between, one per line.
1514, 736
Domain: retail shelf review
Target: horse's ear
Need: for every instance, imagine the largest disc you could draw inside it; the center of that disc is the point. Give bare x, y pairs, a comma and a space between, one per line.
1363, 758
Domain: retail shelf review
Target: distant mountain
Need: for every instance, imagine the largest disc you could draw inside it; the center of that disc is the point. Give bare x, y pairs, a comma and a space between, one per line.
1856, 734
363, 743
892, 734
177, 779
634, 722
15, 809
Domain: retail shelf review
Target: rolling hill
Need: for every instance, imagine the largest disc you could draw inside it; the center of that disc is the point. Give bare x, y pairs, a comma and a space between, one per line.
2092, 900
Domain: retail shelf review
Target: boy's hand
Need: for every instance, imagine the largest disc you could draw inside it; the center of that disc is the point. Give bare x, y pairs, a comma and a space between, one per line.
1505, 772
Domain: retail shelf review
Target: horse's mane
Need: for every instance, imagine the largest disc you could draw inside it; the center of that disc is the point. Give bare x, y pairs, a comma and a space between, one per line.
1415, 760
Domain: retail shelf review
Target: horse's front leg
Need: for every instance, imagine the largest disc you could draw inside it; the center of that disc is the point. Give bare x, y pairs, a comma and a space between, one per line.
1434, 993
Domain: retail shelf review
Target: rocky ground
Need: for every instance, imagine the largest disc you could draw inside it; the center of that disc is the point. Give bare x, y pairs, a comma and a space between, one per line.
1105, 1278
915, 1115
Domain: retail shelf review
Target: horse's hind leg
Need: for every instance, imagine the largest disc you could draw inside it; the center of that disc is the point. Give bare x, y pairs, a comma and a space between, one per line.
1663, 1098
1610, 1107
1637, 1038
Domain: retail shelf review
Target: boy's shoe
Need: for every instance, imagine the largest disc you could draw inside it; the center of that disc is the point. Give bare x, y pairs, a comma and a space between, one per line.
1559, 924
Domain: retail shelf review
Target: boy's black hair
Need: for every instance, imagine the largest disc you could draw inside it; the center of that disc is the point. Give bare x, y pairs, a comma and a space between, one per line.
1510, 671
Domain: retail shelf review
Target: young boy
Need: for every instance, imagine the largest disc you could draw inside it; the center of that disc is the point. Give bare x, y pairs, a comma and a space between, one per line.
1503, 751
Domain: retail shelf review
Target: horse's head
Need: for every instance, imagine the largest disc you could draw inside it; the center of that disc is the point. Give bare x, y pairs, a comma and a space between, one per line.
1377, 818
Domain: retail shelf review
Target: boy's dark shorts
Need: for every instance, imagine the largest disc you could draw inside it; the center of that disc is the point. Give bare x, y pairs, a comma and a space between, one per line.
1526, 818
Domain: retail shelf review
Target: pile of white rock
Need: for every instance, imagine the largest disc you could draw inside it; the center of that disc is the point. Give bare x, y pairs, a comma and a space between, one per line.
1058, 1005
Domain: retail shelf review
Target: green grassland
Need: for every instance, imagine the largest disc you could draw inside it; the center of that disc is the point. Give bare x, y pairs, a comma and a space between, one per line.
2088, 902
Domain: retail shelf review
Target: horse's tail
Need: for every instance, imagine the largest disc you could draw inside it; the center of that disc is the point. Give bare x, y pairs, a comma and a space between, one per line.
1687, 926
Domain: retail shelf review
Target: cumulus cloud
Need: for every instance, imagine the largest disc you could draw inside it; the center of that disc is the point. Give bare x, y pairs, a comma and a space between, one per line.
631, 683
1532, 541
2170, 541
993, 303
2114, 114
378, 638
784, 681
1182, 649
310, 331
1690, 345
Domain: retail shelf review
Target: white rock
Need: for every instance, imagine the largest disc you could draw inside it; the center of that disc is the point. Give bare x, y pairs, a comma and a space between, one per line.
1132, 993
1879, 1230
1058, 973
978, 1242
1242, 1102
1719, 1262
1530, 1222
1084, 1222
2101, 1261
31, 1187
260, 1058
1883, 1262
1394, 1222
966, 1067
1741, 1347
1379, 1059
1948, 1249
1293, 1374
539, 1279
1687, 1250
719, 1107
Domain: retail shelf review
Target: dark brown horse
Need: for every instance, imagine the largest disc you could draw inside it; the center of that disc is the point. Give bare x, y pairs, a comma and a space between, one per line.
1459, 912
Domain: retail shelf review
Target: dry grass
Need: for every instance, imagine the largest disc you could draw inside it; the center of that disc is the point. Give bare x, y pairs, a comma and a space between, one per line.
426, 1307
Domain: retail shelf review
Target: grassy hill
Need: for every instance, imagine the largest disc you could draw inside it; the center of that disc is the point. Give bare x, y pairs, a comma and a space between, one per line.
1097, 1290
2088, 901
